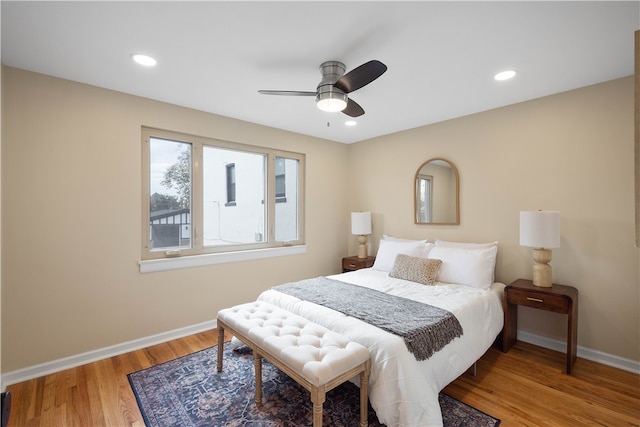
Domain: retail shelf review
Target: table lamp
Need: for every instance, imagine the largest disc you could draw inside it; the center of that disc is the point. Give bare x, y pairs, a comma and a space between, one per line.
361, 226
540, 230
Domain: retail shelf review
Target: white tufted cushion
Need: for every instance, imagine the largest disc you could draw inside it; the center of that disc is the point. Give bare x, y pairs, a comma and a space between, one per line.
313, 351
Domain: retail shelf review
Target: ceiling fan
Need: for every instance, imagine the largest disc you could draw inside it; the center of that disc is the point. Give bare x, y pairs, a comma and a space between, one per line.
331, 93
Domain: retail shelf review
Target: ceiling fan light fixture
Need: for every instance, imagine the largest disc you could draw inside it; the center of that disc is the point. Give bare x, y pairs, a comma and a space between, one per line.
331, 92
331, 101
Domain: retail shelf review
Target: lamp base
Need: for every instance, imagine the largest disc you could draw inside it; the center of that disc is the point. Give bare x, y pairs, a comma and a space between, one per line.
362, 249
542, 269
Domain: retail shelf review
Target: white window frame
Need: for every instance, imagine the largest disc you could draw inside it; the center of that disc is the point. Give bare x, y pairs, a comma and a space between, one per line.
199, 254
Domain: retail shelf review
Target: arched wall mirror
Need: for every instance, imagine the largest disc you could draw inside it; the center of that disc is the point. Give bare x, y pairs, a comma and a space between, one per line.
436, 193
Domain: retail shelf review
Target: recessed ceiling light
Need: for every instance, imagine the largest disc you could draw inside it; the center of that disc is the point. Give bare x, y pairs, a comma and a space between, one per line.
350, 123
505, 75
145, 60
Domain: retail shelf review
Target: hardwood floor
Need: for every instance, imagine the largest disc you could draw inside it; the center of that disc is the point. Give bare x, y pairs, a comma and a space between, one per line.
528, 387
524, 387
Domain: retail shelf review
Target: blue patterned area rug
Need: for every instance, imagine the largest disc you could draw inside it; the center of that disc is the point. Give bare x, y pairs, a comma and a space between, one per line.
189, 392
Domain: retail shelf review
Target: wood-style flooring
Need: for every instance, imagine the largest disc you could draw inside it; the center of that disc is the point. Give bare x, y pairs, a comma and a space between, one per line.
524, 387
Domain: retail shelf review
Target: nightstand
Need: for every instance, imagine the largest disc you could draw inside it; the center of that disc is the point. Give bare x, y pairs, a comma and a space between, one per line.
558, 299
352, 263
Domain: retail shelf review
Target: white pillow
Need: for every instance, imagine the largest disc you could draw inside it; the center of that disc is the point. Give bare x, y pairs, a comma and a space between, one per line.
388, 250
427, 245
446, 244
466, 266
398, 239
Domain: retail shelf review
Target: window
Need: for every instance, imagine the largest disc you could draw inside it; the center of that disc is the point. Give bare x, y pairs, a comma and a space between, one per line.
170, 195
231, 184
203, 195
424, 196
281, 188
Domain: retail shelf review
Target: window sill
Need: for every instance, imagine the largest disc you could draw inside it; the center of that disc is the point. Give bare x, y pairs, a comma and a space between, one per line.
165, 264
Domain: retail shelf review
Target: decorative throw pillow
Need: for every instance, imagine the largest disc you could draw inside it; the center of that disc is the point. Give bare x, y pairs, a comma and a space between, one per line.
420, 270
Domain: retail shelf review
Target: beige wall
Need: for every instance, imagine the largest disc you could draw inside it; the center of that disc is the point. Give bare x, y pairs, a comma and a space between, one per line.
571, 152
71, 211
71, 221
1, 384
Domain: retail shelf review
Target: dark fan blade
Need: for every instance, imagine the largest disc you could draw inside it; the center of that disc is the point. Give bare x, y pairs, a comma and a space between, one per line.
361, 76
287, 92
353, 108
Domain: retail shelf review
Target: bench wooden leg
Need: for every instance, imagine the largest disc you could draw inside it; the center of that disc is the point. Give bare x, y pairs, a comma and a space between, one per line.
317, 415
364, 395
220, 346
257, 361
317, 398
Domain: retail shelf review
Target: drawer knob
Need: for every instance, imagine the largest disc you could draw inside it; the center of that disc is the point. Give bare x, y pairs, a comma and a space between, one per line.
352, 265
534, 299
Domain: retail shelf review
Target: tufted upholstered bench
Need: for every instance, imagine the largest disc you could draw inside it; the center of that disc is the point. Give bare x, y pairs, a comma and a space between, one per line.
315, 357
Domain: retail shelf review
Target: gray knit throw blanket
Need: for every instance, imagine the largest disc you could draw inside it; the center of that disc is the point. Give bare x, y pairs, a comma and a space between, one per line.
425, 328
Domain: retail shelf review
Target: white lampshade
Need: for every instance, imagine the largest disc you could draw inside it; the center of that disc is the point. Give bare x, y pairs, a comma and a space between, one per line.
331, 101
540, 229
361, 223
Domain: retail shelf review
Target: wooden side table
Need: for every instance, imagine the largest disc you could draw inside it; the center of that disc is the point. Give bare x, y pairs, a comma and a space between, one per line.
352, 263
558, 298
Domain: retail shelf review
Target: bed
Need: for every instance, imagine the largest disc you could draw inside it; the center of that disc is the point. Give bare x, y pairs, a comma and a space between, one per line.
403, 390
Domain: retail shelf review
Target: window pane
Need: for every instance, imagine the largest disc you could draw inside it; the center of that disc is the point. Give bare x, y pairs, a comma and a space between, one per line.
170, 194
240, 221
231, 183
287, 207
281, 190
424, 195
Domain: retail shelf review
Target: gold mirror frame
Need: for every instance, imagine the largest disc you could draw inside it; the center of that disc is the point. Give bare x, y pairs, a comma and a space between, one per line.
424, 174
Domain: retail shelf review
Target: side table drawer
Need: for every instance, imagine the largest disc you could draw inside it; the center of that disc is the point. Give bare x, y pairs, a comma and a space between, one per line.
555, 303
354, 263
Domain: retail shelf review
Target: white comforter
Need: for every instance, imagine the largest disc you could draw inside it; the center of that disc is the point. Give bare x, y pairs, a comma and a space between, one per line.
403, 391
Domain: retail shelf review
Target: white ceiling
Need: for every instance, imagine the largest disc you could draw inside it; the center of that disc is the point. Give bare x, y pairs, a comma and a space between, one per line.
214, 56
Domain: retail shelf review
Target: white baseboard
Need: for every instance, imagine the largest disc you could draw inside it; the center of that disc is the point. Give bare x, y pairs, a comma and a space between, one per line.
583, 352
47, 368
